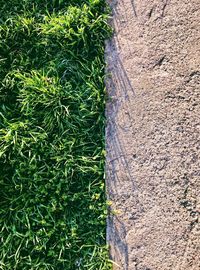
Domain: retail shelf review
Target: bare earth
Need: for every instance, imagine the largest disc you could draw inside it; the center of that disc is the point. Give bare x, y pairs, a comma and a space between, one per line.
153, 134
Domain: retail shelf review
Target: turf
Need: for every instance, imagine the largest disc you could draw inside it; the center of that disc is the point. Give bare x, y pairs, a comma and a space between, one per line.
52, 98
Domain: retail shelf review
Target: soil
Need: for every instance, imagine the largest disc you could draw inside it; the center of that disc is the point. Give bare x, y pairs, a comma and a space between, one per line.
153, 134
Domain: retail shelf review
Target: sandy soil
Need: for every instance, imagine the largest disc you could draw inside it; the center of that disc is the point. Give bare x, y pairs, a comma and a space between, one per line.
153, 134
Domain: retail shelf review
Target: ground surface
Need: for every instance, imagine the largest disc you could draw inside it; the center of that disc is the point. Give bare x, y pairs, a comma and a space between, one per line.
52, 152
153, 133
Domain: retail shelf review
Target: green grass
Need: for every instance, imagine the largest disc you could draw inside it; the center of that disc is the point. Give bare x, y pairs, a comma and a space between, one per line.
52, 99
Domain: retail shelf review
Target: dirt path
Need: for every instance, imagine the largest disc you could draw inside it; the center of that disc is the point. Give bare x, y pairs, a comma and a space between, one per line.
153, 134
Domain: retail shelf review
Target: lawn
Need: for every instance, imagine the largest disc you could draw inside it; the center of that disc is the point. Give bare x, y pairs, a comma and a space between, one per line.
52, 152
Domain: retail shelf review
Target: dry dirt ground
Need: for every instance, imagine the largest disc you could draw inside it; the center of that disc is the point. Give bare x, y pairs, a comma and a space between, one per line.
153, 134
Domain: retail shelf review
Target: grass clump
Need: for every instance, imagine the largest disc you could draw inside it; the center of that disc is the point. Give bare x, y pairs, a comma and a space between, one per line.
52, 98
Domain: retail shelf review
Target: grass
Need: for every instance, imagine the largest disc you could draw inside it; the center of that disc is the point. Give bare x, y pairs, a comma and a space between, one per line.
52, 98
